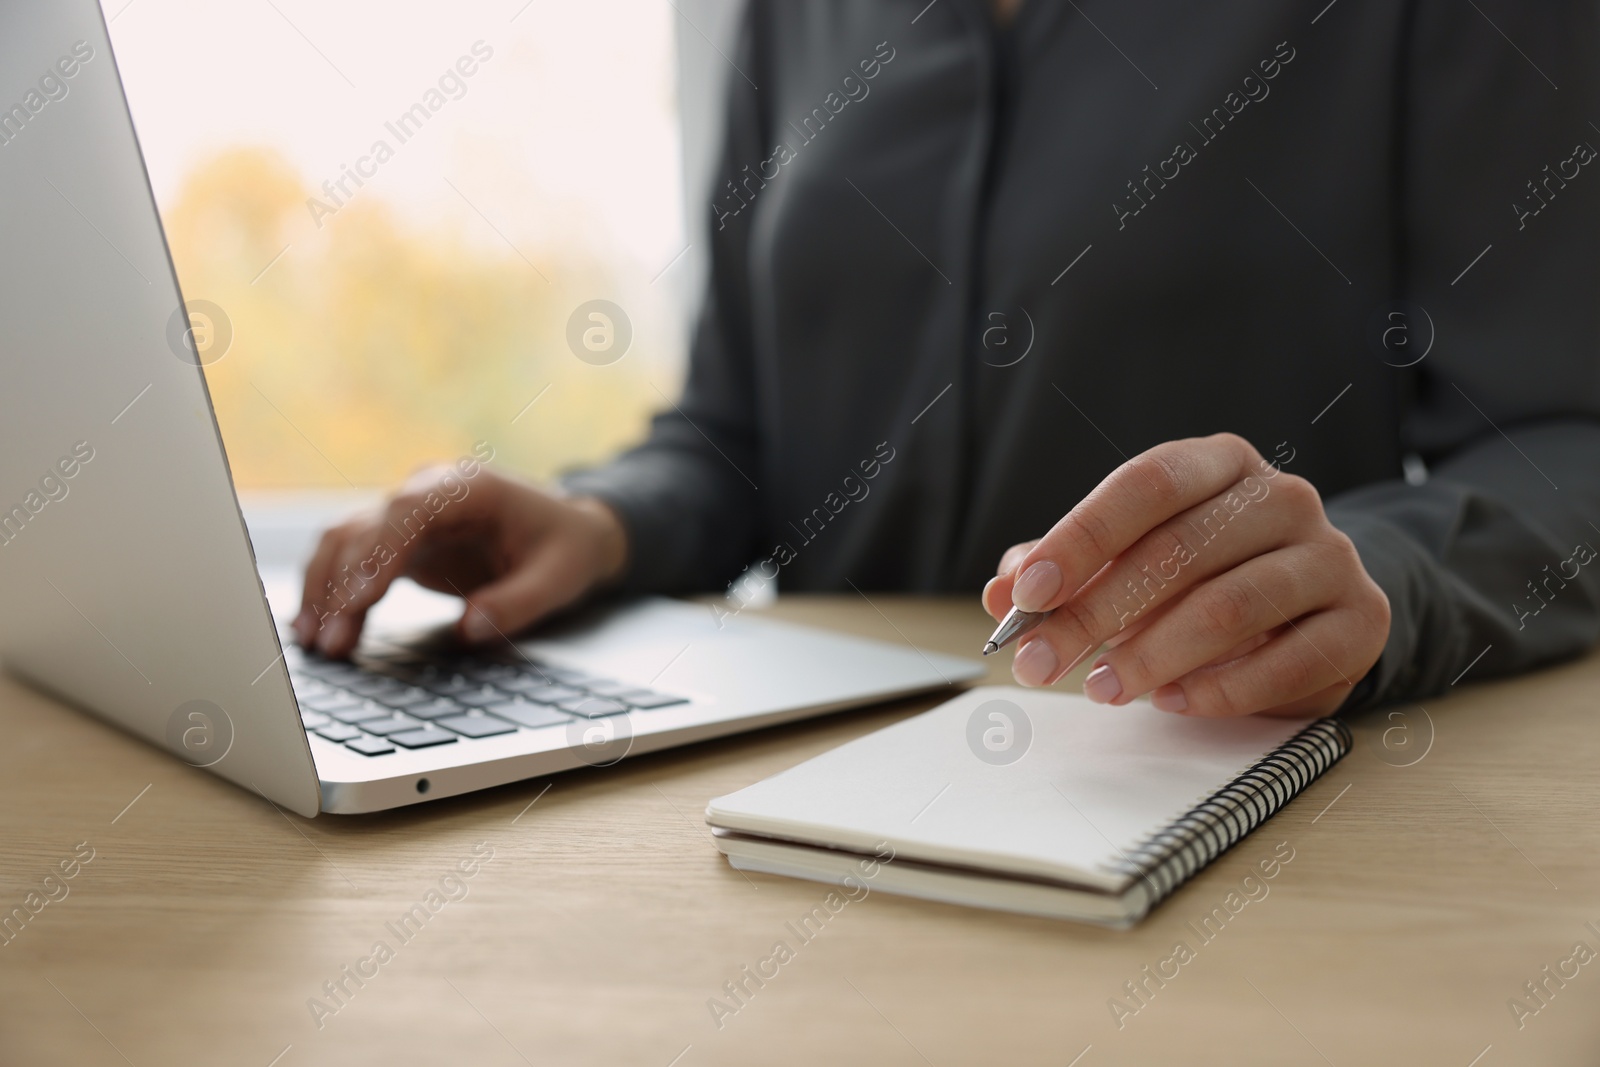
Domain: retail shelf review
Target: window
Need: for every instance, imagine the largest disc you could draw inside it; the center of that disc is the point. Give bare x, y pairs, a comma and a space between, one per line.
399, 207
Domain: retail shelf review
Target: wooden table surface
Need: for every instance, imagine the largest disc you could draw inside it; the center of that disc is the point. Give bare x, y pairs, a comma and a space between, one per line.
1446, 862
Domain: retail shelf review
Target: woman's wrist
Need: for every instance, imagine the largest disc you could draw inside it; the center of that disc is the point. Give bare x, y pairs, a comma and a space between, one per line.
610, 537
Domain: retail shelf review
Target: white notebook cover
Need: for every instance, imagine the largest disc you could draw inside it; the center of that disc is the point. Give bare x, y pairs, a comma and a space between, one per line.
1092, 784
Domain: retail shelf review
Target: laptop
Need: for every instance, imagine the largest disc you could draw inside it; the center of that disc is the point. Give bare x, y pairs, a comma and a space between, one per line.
128, 583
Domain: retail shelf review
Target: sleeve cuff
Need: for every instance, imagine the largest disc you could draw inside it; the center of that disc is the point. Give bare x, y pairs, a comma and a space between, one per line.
1401, 568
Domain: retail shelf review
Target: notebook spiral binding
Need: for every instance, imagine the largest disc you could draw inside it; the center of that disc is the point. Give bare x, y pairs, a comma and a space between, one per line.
1173, 855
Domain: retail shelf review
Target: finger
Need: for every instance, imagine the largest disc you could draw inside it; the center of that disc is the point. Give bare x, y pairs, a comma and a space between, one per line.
995, 599
544, 582
1214, 618
373, 551
432, 504
997, 594
997, 591
1138, 625
1320, 652
1135, 498
1037, 661
314, 595
1014, 555
1194, 546
335, 581
1324, 703
351, 570
1250, 644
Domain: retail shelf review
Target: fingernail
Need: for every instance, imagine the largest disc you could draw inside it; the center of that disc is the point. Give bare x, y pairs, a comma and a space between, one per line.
1037, 586
1169, 698
305, 627
1102, 686
476, 626
1035, 662
335, 635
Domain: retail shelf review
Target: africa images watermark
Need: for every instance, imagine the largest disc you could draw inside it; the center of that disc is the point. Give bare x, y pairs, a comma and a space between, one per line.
451, 888
1582, 556
200, 733
599, 332
854, 88
998, 351
452, 488
852, 489
1406, 742
53, 889
739, 990
1138, 992
1542, 988
53, 488
451, 85
1252, 490
199, 332
1210, 128
1583, 154
999, 732
53, 86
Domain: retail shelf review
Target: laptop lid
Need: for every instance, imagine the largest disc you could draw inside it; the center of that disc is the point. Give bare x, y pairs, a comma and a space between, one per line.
127, 581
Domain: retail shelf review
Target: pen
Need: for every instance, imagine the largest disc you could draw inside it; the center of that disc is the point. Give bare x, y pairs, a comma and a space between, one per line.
1014, 625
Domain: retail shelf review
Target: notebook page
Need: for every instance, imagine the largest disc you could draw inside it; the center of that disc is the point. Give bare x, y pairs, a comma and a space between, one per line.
1091, 783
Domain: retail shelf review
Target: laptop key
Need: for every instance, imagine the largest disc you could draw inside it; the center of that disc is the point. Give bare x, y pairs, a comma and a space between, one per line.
337, 731
553, 694
404, 697
567, 676
361, 714
450, 685
335, 673
332, 700
376, 686
430, 673
423, 737
524, 713
384, 727
392, 668
313, 719
481, 697
478, 725
436, 708
608, 689
491, 672
648, 699
527, 683
592, 707
370, 746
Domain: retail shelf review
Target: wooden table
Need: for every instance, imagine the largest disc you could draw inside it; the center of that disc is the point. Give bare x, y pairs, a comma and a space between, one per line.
1419, 900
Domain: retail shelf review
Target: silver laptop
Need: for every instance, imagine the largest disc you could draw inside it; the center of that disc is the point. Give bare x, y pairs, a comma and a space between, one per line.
128, 585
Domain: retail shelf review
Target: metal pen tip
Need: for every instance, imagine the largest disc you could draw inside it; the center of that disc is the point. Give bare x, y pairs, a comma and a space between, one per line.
1016, 623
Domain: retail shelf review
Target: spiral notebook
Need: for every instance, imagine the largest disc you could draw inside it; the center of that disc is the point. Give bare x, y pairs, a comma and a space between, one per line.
1020, 800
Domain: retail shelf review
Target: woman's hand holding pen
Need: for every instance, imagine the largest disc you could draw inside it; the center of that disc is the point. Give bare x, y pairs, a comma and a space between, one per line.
514, 552
1215, 580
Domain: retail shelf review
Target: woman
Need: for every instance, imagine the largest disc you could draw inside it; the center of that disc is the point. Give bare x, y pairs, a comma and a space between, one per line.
1253, 259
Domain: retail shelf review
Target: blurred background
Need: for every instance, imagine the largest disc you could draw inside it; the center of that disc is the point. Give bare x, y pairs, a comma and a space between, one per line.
398, 287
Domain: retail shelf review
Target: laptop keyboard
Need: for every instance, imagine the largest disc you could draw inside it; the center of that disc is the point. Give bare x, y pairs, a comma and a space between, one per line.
384, 704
